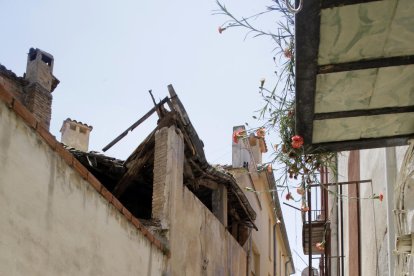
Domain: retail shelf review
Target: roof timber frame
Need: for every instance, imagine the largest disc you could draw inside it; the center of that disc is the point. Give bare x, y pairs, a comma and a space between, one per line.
196, 166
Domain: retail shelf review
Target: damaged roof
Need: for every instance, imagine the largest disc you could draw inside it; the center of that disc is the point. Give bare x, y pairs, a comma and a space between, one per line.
125, 174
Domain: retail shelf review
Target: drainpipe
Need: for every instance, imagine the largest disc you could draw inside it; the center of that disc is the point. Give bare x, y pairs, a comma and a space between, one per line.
274, 249
333, 211
286, 263
249, 253
391, 171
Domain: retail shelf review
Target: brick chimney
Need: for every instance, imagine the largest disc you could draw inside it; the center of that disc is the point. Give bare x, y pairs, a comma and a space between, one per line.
75, 134
38, 97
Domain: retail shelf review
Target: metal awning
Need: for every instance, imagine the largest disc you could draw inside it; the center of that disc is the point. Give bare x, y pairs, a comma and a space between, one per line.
355, 73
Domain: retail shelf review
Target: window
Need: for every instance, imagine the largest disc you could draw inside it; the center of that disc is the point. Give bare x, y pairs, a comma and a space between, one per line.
82, 130
32, 54
270, 239
47, 60
256, 261
72, 126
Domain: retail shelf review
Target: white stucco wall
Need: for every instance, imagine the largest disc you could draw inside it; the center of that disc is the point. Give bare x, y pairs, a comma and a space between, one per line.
373, 213
374, 248
53, 222
342, 177
261, 203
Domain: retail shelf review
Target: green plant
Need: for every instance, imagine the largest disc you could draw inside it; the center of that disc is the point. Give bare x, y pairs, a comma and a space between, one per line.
293, 164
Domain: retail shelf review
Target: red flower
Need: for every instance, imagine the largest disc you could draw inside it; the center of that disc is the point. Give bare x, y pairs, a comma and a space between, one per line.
238, 134
297, 141
221, 29
304, 208
261, 132
288, 53
289, 196
320, 246
300, 191
381, 197
269, 168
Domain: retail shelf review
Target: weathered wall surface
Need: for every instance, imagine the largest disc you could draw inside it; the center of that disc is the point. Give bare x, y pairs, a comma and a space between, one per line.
11, 83
54, 222
374, 249
374, 229
373, 213
199, 243
263, 238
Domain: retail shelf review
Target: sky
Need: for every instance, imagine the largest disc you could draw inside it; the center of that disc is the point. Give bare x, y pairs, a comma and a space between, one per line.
109, 54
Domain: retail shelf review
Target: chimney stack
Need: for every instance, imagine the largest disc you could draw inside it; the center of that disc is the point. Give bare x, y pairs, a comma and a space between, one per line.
248, 150
240, 151
75, 134
39, 73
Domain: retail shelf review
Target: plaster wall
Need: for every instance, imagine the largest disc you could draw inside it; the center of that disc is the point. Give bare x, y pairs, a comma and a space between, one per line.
54, 222
199, 242
374, 249
373, 213
263, 238
74, 137
343, 176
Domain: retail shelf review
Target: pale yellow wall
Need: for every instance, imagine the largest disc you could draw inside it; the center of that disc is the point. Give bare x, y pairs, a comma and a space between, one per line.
281, 257
261, 203
53, 222
200, 245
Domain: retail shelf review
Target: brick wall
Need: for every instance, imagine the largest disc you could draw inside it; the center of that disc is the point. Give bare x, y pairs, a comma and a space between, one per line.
12, 83
35, 97
39, 101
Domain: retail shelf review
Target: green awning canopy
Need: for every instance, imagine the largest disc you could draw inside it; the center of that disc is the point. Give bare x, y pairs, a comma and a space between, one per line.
355, 73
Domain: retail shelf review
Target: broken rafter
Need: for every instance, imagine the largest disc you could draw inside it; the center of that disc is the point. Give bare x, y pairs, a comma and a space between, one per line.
196, 142
137, 123
134, 164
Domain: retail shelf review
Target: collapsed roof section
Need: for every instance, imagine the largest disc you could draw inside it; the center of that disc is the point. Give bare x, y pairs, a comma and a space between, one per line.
131, 181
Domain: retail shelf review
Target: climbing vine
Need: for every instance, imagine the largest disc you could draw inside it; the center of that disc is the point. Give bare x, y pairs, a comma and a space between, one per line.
293, 165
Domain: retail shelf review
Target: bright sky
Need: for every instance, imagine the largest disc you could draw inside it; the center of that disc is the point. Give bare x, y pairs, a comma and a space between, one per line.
108, 54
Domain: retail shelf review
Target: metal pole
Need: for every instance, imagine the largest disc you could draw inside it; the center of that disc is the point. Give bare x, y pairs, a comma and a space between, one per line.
342, 231
391, 163
310, 232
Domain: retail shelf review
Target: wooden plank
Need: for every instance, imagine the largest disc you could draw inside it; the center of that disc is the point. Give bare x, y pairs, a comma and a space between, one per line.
366, 64
134, 125
209, 184
339, 3
195, 140
367, 143
363, 112
135, 168
307, 25
134, 164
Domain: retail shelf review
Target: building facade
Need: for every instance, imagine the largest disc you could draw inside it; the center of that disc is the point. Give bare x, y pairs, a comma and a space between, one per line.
163, 211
